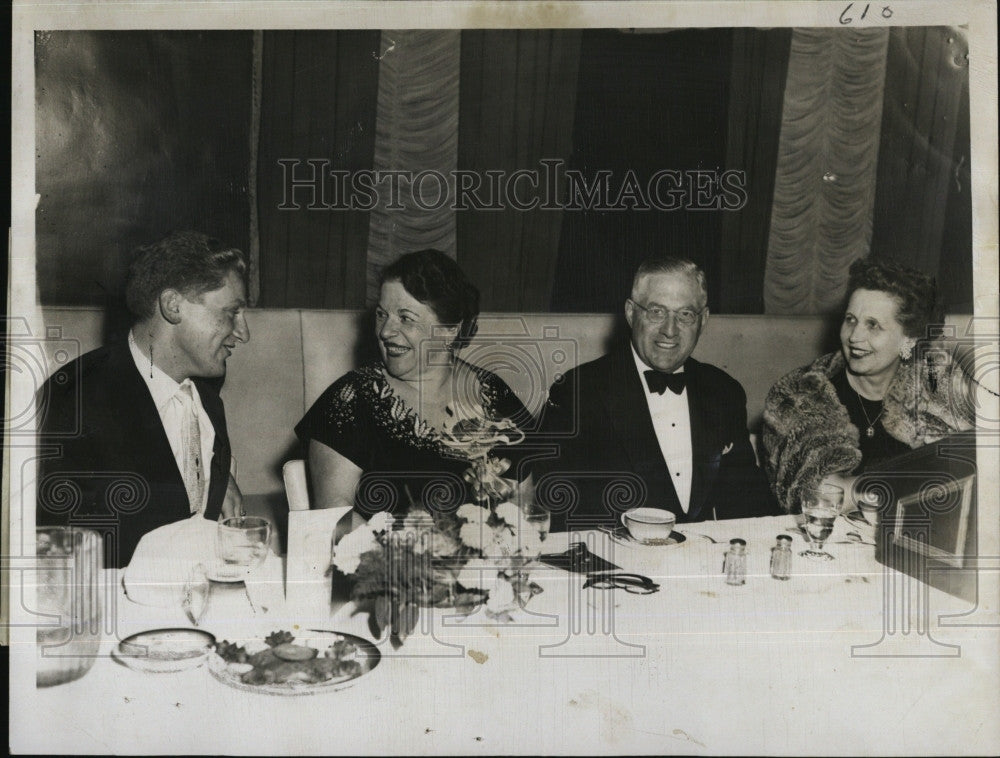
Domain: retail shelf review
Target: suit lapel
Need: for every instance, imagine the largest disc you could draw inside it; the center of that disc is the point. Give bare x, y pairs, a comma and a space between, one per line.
633, 428
150, 441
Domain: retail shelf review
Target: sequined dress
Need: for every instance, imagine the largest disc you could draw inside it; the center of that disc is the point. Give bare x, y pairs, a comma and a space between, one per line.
405, 461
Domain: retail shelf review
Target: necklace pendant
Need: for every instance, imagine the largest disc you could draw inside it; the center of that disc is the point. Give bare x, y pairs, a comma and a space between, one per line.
870, 432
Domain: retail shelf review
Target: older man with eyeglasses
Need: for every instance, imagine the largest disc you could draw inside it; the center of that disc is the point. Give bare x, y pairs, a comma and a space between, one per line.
647, 425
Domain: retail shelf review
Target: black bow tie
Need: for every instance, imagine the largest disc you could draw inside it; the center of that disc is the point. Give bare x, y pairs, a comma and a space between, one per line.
657, 381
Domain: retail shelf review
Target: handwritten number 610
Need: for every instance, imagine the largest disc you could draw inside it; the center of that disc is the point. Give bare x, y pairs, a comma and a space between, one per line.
845, 19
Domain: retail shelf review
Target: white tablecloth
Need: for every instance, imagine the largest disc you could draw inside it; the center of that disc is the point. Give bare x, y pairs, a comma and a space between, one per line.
699, 667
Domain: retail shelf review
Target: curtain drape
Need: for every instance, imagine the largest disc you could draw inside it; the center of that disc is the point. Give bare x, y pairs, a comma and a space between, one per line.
317, 114
518, 99
827, 156
416, 132
923, 208
760, 63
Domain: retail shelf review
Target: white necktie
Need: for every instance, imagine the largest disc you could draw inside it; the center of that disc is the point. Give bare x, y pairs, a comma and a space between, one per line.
193, 473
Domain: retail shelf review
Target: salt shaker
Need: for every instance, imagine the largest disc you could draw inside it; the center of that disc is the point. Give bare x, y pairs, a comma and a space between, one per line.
781, 558
735, 565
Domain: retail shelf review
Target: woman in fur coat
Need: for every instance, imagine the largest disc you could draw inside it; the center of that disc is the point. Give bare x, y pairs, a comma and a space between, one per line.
880, 395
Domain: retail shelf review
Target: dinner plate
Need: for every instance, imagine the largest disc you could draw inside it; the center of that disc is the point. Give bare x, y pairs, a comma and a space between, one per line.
164, 651
231, 674
621, 536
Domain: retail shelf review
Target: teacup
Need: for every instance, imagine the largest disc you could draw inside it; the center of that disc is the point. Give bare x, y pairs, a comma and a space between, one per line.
649, 525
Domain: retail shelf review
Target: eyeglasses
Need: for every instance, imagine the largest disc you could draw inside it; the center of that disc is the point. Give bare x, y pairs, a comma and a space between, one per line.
657, 314
637, 584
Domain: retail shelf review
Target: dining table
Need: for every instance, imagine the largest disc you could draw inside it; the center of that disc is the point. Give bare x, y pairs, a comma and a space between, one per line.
846, 656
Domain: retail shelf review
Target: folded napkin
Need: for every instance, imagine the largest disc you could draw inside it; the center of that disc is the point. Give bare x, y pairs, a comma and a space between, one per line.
164, 559
578, 559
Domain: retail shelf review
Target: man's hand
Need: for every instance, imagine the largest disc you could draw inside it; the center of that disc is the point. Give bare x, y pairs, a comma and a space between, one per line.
232, 505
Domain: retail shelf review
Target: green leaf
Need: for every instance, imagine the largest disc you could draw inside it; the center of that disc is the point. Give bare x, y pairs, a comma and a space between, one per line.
395, 619
467, 602
383, 612
373, 626
409, 614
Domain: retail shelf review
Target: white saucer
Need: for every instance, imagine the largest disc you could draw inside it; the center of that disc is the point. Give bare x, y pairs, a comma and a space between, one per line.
164, 651
220, 572
621, 537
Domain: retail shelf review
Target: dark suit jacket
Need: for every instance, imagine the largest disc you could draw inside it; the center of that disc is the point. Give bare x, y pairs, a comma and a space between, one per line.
105, 461
609, 460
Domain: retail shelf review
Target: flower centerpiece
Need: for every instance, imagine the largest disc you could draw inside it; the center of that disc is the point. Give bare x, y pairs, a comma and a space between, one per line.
477, 554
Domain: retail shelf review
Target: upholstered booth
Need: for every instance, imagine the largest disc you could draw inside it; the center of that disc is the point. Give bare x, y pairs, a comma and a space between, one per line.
293, 355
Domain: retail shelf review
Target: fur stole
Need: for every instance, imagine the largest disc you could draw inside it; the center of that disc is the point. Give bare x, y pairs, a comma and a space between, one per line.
808, 433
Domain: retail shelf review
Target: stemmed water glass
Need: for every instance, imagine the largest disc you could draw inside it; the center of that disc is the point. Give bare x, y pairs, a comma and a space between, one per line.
820, 505
538, 518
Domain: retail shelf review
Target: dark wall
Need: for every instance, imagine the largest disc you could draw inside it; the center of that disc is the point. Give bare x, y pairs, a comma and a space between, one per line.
645, 102
318, 102
137, 134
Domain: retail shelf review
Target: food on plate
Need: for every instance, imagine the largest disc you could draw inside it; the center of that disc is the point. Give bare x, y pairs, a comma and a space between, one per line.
284, 662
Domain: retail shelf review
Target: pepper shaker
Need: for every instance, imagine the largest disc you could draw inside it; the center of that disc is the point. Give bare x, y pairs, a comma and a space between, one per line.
735, 565
781, 558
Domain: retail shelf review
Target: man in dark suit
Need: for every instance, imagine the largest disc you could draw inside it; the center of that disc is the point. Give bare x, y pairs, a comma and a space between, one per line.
133, 435
646, 424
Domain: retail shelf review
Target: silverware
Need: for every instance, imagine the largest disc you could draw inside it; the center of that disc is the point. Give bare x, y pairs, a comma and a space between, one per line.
853, 538
697, 534
197, 590
253, 608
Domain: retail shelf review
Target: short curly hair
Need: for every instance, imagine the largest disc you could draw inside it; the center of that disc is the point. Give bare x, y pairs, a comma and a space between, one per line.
914, 291
190, 262
439, 283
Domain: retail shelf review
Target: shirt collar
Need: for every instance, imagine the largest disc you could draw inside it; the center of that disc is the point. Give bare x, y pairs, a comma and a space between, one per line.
641, 366
161, 386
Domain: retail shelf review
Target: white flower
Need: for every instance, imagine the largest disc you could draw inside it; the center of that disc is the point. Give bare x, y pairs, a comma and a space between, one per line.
418, 519
347, 552
474, 514
509, 512
501, 595
380, 522
531, 542
475, 535
346, 564
505, 541
476, 574
433, 542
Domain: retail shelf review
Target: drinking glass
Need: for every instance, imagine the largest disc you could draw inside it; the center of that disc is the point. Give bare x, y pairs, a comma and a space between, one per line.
241, 543
821, 505
538, 518
68, 593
